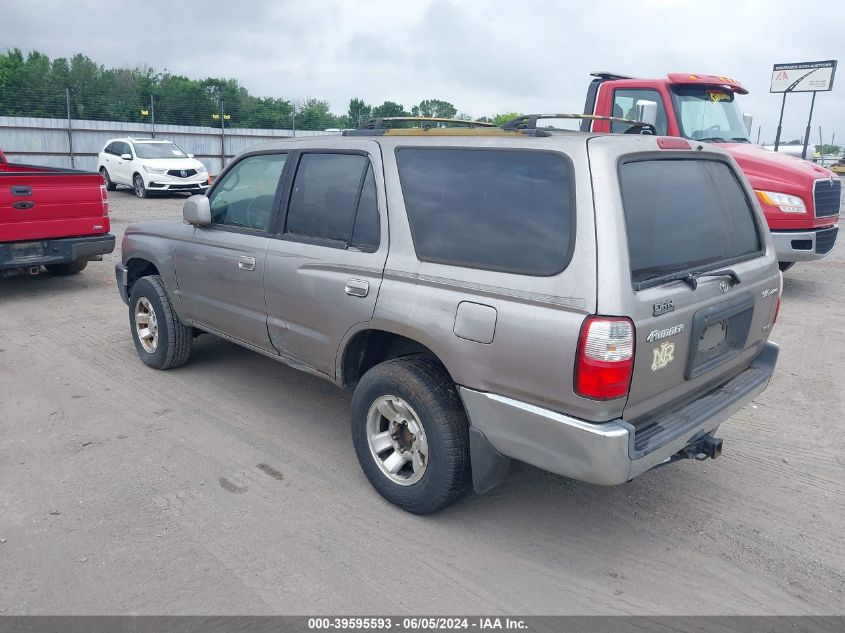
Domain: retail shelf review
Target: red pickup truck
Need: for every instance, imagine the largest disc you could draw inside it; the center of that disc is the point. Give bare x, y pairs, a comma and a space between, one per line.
800, 199
51, 217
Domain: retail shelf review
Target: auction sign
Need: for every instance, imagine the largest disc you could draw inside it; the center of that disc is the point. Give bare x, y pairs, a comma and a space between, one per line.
803, 77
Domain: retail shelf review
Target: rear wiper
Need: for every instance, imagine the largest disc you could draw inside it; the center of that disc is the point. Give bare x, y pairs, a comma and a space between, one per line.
691, 279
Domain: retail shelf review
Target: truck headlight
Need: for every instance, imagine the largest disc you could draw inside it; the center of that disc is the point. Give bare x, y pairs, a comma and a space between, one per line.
783, 201
154, 170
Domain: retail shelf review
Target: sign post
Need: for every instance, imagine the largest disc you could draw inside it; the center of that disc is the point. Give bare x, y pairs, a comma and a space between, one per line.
802, 77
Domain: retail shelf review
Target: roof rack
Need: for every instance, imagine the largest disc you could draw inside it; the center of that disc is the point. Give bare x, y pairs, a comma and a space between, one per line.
426, 122
529, 122
603, 74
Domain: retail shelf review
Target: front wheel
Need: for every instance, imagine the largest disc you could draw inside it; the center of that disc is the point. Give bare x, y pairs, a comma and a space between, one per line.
110, 186
138, 185
161, 339
411, 434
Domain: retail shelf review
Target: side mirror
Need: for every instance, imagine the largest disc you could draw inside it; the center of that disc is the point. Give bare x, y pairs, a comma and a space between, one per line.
197, 211
748, 120
126, 156
647, 111
190, 155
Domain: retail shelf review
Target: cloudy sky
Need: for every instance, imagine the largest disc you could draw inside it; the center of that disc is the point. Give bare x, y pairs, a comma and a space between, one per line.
485, 57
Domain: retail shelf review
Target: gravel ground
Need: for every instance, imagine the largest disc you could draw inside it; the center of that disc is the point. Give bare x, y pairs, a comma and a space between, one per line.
230, 486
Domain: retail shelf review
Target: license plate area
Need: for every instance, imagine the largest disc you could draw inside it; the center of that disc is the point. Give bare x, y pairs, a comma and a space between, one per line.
719, 333
27, 250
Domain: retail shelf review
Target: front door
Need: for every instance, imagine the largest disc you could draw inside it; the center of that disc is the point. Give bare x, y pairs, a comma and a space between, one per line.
325, 267
220, 271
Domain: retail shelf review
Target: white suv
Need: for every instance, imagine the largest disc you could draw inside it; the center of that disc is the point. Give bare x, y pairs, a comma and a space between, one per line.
149, 165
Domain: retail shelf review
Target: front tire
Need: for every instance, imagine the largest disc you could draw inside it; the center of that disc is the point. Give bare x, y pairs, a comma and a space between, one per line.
138, 186
411, 434
161, 339
110, 186
71, 268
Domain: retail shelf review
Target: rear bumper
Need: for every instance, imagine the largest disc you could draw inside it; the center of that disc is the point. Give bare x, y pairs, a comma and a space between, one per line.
54, 251
804, 246
604, 453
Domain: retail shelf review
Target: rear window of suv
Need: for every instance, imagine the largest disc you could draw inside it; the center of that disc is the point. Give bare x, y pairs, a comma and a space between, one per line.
684, 215
503, 210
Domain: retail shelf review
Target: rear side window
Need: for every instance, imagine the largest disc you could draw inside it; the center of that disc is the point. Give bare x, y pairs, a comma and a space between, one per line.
325, 199
684, 215
505, 210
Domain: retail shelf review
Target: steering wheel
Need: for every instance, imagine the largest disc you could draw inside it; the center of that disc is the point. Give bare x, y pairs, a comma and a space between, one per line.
707, 133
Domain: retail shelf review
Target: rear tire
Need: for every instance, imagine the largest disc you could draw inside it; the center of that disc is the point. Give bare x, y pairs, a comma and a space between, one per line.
408, 412
110, 186
161, 339
138, 186
784, 266
71, 268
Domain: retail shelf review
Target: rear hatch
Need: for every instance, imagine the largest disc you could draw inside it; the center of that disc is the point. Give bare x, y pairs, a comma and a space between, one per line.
684, 253
51, 204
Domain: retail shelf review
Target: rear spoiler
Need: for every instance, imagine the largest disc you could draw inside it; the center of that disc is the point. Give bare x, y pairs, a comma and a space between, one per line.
529, 122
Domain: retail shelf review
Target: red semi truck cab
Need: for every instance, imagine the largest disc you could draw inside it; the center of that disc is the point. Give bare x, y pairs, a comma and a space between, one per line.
51, 217
800, 199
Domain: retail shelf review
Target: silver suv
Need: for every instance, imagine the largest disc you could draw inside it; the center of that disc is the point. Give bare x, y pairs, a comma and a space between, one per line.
593, 305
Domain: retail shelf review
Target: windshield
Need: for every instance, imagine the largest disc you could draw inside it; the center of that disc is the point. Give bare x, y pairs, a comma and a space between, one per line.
158, 150
709, 113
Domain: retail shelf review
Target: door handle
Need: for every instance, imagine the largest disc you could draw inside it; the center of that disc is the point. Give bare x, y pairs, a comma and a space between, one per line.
21, 190
246, 263
357, 287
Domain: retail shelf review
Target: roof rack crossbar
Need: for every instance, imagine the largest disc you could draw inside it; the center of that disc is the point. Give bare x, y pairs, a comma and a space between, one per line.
529, 122
378, 123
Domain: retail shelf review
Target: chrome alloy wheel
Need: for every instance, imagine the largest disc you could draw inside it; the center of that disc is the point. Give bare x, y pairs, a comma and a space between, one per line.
146, 325
397, 440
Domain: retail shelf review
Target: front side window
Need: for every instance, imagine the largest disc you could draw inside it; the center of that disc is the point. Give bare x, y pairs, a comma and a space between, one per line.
504, 210
244, 196
158, 150
334, 198
625, 107
124, 149
709, 114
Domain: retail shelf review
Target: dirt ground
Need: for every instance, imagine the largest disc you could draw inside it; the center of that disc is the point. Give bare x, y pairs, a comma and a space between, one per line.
230, 486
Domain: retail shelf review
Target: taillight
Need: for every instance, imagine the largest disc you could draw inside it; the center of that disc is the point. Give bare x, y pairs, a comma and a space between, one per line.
104, 197
605, 358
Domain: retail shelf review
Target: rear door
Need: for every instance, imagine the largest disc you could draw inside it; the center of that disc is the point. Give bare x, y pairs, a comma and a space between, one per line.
47, 204
683, 213
325, 267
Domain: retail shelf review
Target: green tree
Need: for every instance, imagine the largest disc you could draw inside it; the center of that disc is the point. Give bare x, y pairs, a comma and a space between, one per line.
435, 108
501, 119
358, 112
388, 109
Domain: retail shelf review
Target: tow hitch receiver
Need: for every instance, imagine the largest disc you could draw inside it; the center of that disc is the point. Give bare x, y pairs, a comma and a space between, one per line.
704, 447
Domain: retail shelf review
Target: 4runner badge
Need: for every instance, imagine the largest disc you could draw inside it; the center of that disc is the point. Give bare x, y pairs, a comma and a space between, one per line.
663, 355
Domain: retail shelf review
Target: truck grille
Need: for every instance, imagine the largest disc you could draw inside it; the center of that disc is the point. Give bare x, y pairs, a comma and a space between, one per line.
826, 197
187, 173
825, 239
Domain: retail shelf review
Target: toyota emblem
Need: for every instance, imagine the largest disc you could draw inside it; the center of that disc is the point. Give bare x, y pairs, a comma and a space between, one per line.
723, 287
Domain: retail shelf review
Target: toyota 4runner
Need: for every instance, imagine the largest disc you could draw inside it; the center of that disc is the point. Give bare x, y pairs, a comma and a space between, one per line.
594, 305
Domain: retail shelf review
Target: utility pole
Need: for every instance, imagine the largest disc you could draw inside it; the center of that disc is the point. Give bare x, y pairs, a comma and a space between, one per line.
222, 137
294, 118
153, 114
69, 132
759, 127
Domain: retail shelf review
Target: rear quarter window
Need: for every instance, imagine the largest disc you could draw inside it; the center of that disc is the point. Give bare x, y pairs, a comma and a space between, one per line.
509, 211
685, 214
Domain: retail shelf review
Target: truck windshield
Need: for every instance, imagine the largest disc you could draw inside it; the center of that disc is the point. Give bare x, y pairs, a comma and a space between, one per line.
709, 113
158, 150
